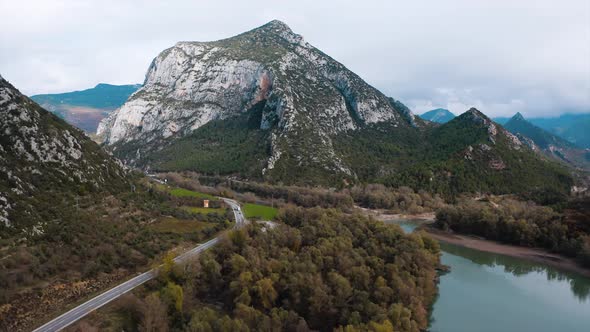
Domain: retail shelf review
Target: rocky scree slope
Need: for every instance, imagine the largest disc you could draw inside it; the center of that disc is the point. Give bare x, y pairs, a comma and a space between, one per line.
302, 96
44, 164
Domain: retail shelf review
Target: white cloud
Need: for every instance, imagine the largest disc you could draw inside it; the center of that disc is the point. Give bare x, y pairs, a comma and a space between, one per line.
502, 56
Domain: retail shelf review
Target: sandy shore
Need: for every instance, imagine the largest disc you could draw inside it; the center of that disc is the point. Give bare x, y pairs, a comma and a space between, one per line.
384, 216
532, 254
428, 216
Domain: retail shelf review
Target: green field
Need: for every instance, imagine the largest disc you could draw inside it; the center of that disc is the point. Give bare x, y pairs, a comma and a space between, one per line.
202, 210
181, 192
260, 211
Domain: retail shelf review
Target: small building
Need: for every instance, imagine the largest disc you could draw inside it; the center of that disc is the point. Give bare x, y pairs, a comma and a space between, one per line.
205, 203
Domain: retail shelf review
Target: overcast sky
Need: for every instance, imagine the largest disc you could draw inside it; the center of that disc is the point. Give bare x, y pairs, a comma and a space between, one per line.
500, 56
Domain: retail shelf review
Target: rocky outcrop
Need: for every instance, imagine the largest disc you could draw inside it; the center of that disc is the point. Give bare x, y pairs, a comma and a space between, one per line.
308, 97
492, 128
40, 153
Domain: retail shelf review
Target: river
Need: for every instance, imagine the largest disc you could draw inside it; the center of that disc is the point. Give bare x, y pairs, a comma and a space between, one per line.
491, 292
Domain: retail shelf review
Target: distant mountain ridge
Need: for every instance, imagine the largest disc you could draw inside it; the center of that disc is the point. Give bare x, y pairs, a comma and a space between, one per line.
572, 127
439, 115
552, 145
519, 125
86, 108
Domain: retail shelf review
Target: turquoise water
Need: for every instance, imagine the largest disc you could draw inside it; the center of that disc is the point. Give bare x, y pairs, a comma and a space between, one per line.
491, 292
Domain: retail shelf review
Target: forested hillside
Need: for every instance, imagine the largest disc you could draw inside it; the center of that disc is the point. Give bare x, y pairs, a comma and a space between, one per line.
523, 223
467, 154
320, 270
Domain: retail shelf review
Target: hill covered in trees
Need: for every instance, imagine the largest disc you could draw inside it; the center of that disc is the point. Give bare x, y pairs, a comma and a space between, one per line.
524, 223
317, 270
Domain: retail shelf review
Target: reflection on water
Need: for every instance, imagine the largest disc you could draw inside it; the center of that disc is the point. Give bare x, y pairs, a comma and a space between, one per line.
580, 286
492, 292
408, 225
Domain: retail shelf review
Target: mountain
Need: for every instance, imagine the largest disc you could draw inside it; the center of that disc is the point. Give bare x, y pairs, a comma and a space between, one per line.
572, 127
295, 95
84, 109
439, 115
44, 164
267, 105
551, 145
518, 125
469, 153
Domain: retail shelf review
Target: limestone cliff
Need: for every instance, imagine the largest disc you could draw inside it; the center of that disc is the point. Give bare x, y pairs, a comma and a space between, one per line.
307, 96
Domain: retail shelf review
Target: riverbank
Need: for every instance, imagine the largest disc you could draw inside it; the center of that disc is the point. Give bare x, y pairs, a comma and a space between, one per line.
383, 215
532, 254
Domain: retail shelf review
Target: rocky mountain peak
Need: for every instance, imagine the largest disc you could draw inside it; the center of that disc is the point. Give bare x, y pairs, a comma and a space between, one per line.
276, 26
274, 32
475, 113
476, 116
301, 93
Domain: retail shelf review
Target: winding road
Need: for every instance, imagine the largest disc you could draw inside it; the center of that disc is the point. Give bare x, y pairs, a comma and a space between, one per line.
87, 307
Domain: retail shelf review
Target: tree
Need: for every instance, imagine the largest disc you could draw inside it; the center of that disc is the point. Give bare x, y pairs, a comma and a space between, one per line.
266, 292
155, 316
172, 294
166, 268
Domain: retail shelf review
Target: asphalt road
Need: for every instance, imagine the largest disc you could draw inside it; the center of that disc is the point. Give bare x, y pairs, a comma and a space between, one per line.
87, 307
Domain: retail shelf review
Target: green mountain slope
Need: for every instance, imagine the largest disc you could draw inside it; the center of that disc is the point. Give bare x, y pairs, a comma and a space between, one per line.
519, 125
469, 153
232, 146
571, 127
551, 145
85, 109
